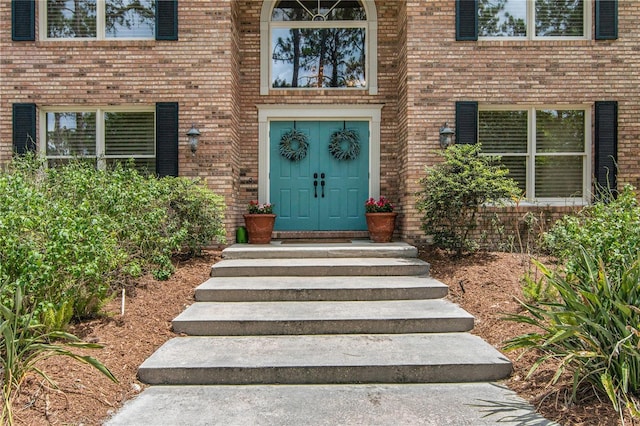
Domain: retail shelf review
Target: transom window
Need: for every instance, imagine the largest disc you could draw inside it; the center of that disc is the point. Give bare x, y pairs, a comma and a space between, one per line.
99, 19
533, 19
318, 44
545, 149
106, 136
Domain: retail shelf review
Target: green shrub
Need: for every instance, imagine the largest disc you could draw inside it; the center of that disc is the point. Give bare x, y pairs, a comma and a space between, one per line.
537, 289
454, 191
196, 214
60, 253
610, 231
24, 342
593, 329
71, 234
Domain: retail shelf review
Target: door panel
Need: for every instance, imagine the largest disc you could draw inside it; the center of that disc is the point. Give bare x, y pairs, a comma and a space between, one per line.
336, 202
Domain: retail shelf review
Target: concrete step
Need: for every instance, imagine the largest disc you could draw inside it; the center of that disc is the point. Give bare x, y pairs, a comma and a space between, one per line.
356, 248
324, 359
308, 267
440, 404
256, 289
376, 317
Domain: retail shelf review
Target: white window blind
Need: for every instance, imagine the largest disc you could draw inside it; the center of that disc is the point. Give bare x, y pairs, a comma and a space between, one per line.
532, 18
71, 134
106, 136
71, 18
559, 18
545, 150
100, 19
505, 133
129, 134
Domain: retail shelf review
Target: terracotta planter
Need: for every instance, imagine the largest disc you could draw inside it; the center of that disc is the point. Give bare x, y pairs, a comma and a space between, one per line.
259, 227
381, 226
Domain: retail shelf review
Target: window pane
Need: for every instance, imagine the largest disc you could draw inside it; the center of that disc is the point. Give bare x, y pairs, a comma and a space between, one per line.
71, 18
502, 132
130, 18
559, 18
129, 133
307, 10
517, 170
327, 57
559, 176
71, 134
502, 18
560, 130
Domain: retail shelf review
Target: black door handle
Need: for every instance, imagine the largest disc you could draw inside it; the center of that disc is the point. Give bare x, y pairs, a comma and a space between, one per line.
322, 185
315, 176
322, 175
315, 188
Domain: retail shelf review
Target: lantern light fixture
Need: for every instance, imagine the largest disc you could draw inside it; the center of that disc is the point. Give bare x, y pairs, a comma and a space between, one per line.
446, 136
194, 135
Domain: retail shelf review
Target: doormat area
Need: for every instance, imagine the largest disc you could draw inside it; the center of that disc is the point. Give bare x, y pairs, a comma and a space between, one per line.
316, 241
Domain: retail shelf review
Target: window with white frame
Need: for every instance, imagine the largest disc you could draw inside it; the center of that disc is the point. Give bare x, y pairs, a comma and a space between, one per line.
319, 44
544, 148
99, 19
534, 19
103, 135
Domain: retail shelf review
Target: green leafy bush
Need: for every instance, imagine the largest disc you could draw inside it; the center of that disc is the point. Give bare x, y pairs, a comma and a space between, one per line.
196, 214
453, 192
70, 234
58, 252
593, 328
610, 231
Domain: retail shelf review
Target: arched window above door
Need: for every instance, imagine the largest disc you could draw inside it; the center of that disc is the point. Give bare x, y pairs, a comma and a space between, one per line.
318, 44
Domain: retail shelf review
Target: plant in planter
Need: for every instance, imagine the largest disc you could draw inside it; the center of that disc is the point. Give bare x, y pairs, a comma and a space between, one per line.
259, 222
381, 219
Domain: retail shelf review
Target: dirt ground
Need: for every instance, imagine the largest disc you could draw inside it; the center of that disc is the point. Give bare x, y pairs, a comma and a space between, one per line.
485, 284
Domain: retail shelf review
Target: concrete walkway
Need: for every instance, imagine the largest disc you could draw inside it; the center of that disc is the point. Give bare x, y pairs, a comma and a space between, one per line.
324, 334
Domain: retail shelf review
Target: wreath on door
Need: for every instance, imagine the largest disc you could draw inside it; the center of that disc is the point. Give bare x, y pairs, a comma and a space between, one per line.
294, 145
345, 145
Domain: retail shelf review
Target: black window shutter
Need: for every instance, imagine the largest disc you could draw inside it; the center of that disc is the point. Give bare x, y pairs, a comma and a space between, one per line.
24, 128
606, 19
23, 20
466, 20
167, 139
166, 20
606, 144
466, 122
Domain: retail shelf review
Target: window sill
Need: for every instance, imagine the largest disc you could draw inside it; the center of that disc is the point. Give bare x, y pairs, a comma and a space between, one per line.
570, 204
91, 43
535, 42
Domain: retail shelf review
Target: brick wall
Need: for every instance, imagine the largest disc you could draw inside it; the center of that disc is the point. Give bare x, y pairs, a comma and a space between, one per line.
200, 72
213, 72
441, 71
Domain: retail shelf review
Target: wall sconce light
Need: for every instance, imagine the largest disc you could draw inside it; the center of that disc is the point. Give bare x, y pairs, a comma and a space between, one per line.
446, 136
194, 135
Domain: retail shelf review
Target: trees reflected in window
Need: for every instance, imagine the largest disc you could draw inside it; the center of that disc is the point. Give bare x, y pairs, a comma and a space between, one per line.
118, 18
318, 44
531, 18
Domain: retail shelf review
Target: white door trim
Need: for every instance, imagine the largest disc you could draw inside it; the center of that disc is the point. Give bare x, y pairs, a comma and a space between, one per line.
267, 113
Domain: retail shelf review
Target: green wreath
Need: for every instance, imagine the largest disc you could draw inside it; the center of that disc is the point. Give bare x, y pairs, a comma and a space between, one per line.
345, 145
294, 145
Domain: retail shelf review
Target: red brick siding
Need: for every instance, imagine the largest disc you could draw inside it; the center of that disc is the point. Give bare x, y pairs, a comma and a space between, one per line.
213, 72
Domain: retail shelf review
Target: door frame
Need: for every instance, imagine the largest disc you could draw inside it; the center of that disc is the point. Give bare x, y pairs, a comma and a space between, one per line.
339, 112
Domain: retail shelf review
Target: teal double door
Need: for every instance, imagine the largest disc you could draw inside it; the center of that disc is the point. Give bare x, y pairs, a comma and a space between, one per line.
319, 192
